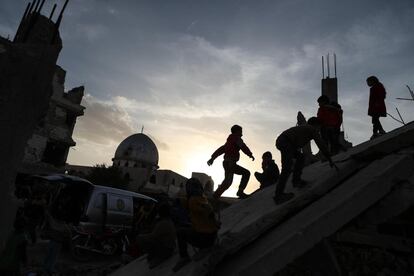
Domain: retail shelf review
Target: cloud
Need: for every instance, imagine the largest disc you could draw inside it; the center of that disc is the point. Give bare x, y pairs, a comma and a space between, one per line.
187, 72
103, 122
104, 125
160, 145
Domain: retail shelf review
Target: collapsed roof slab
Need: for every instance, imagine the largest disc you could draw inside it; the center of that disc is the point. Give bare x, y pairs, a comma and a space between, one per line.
281, 245
400, 199
392, 141
247, 220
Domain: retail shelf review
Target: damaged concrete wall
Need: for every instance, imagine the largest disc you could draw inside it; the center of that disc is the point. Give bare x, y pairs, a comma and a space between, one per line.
48, 148
27, 66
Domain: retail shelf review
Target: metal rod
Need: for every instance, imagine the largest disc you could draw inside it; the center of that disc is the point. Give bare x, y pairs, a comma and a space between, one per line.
31, 7
19, 28
59, 20
405, 99
327, 63
411, 92
52, 12
323, 68
400, 116
25, 12
395, 119
61, 12
37, 5
41, 6
335, 63
31, 22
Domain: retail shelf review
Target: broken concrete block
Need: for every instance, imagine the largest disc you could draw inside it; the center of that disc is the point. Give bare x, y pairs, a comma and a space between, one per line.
258, 237
279, 246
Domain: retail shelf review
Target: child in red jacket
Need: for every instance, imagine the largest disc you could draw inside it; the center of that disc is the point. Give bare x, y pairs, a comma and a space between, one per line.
231, 155
330, 116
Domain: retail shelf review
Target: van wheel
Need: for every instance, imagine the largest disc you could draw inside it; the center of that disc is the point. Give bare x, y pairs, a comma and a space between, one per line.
110, 247
79, 248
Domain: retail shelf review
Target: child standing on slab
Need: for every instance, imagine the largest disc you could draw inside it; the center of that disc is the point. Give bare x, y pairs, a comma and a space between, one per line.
376, 108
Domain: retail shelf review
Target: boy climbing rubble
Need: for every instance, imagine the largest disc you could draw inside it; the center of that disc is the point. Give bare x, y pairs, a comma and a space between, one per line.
231, 153
289, 143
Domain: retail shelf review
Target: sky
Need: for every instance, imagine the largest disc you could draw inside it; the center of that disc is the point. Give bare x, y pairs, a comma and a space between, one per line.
189, 70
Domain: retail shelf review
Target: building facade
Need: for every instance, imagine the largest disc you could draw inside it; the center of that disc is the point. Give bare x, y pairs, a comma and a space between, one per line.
47, 149
137, 158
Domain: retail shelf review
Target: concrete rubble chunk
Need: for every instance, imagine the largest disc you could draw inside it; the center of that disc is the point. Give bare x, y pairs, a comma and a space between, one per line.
255, 232
320, 219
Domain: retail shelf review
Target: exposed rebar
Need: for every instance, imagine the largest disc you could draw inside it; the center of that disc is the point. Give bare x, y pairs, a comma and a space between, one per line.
327, 63
41, 6
26, 11
59, 20
52, 12
323, 68
19, 28
400, 116
37, 6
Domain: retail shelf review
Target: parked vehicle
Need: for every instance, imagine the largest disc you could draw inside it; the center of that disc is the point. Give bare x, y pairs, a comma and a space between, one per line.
102, 217
114, 208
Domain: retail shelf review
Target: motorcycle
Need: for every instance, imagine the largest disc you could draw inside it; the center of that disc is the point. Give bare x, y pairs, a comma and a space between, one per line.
109, 243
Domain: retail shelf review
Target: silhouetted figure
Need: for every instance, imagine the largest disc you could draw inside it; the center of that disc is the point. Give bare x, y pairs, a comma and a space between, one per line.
204, 226
330, 116
270, 171
376, 108
160, 243
231, 155
290, 143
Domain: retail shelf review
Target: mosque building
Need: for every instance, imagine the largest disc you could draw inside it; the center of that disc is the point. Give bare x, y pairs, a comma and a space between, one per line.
137, 157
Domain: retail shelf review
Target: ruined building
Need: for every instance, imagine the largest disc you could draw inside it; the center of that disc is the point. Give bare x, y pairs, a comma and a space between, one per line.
27, 68
48, 148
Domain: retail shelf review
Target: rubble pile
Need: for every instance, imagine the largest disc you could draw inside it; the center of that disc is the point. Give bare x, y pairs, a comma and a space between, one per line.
373, 184
372, 261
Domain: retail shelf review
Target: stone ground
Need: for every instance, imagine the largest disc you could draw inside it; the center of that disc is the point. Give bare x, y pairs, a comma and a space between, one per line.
67, 265
360, 261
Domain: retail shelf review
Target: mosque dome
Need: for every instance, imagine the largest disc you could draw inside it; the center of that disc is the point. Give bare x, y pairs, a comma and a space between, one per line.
137, 149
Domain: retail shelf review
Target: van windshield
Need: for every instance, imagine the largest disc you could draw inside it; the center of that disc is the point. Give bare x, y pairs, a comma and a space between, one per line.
66, 198
70, 202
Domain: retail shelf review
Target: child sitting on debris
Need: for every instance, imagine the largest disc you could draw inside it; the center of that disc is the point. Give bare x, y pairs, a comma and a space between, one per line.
160, 243
231, 155
204, 226
376, 107
270, 171
289, 143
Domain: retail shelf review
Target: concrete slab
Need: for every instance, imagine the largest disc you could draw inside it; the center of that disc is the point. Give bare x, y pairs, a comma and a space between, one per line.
247, 224
278, 247
390, 142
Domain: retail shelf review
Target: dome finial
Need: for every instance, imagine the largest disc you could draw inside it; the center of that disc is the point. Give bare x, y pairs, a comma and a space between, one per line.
142, 129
